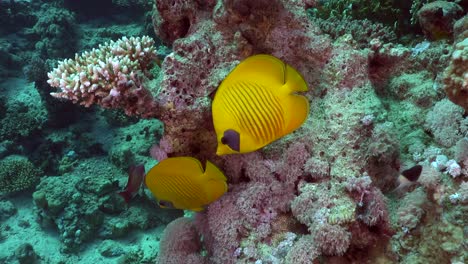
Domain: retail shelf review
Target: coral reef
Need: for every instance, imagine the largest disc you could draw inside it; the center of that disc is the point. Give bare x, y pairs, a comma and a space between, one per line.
437, 18
456, 77
460, 29
85, 207
345, 27
7, 209
180, 244
17, 173
52, 29
329, 212
25, 254
446, 123
331, 192
22, 115
131, 144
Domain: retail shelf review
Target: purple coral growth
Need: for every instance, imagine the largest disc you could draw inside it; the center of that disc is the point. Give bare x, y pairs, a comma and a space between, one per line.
180, 243
332, 239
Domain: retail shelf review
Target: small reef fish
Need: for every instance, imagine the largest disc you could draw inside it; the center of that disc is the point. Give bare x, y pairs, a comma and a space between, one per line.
407, 178
257, 104
136, 174
182, 183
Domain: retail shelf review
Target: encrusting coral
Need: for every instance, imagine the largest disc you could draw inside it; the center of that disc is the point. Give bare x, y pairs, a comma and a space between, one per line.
446, 123
17, 173
456, 75
186, 248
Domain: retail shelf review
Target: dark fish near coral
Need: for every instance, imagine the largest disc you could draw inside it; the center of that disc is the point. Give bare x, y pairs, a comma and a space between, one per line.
257, 104
182, 183
136, 174
408, 177
412, 174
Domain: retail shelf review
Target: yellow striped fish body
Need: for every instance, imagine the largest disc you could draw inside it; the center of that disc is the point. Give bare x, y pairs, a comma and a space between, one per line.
257, 104
182, 183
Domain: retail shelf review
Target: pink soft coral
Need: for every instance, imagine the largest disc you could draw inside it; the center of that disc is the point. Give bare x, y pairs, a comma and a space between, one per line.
180, 243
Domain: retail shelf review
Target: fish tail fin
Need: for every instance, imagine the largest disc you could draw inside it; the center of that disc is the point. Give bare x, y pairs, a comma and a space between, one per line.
296, 112
215, 189
126, 195
296, 106
136, 175
214, 173
216, 181
293, 81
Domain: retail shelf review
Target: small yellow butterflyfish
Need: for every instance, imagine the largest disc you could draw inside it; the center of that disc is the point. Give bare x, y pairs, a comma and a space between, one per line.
257, 104
182, 183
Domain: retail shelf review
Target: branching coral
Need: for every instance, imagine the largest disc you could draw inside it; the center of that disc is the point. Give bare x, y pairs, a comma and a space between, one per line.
112, 76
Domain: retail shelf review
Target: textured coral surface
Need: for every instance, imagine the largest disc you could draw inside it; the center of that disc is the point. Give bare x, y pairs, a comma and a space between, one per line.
387, 91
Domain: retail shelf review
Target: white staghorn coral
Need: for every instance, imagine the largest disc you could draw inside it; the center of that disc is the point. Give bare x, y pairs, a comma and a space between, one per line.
110, 76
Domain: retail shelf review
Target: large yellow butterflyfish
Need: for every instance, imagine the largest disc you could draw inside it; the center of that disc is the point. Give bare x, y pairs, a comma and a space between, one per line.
257, 104
182, 183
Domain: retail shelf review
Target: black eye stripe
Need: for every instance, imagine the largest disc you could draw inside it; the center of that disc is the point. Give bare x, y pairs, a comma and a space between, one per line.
231, 138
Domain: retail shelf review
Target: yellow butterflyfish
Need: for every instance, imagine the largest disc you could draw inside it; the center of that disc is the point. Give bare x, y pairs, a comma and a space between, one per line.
182, 183
257, 104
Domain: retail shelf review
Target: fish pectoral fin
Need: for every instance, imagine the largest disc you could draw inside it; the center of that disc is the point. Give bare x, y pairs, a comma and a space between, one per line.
296, 112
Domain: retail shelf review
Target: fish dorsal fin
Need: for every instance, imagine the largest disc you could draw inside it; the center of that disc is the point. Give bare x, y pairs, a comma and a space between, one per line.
261, 68
214, 181
178, 165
